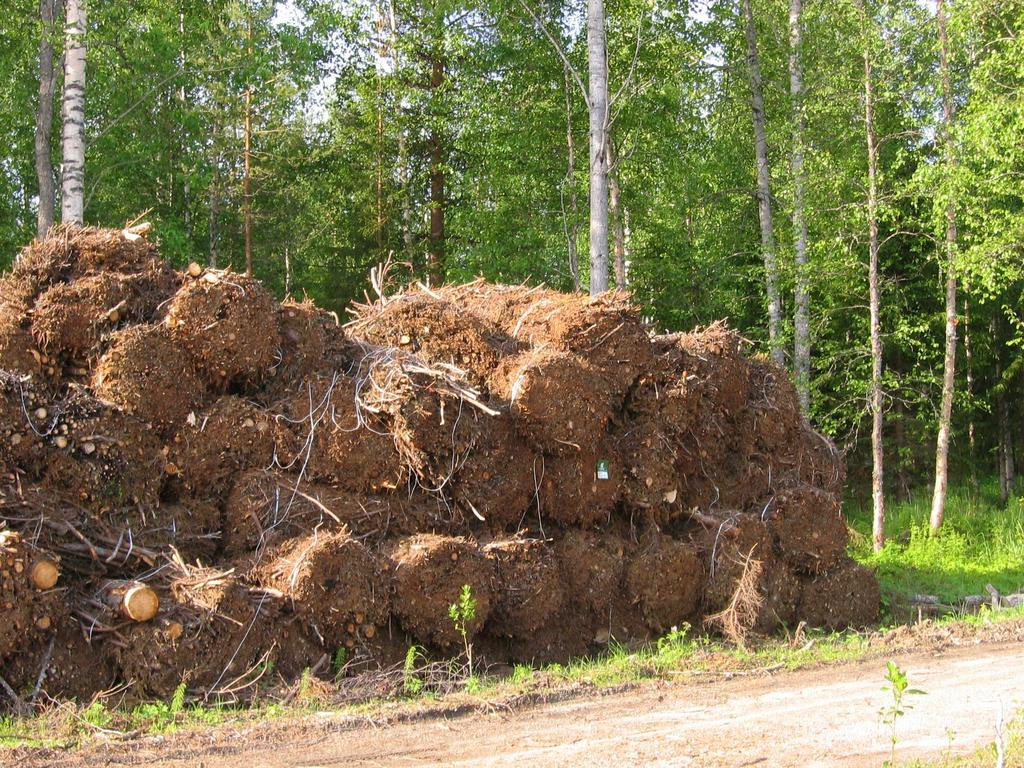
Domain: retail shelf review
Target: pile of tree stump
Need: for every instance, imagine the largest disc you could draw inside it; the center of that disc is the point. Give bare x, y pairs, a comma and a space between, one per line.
197, 480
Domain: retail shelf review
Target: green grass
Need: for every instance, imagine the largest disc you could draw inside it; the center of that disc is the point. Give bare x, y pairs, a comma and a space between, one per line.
1013, 744
980, 543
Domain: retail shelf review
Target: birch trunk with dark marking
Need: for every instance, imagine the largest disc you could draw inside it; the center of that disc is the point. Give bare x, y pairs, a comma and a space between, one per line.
1004, 452
617, 215
949, 362
571, 222
436, 256
247, 160
969, 358
72, 204
874, 300
764, 194
597, 66
214, 198
44, 119
801, 296
402, 160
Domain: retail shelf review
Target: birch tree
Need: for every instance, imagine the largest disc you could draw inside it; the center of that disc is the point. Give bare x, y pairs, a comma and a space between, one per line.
949, 362
802, 299
874, 300
597, 65
44, 118
764, 193
73, 115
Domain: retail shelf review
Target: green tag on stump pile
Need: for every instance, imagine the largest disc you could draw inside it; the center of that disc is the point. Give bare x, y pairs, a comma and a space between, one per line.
604, 469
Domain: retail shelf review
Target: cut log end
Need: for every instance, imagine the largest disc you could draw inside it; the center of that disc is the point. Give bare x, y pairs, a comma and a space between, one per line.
140, 603
44, 574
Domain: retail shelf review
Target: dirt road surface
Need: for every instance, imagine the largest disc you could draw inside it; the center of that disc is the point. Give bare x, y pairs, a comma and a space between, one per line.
817, 717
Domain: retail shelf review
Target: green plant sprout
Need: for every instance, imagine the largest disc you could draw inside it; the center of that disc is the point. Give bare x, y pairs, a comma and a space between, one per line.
898, 688
411, 682
461, 614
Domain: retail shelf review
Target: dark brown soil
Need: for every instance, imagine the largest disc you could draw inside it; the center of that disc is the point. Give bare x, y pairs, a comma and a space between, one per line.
229, 437
430, 572
228, 323
335, 584
808, 528
845, 596
666, 579
147, 374
559, 402
30, 614
529, 588
71, 319
108, 459
438, 331
303, 338
580, 488
338, 441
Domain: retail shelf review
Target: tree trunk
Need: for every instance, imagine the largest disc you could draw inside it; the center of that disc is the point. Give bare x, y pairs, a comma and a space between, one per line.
403, 173
1004, 454
597, 65
949, 363
72, 210
247, 160
436, 266
214, 196
969, 356
571, 232
617, 214
802, 299
44, 119
877, 446
764, 195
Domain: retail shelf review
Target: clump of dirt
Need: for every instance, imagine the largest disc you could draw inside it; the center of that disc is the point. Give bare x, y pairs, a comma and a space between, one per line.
592, 566
266, 507
17, 347
228, 323
559, 402
606, 330
147, 374
213, 634
338, 587
581, 488
65, 676
429, 574
529, 589
25, 422
70, 252
103, 456
31, 603
496, 483
437, 331
71, 319
340, 442
229, 437
808, 528
303, 343
666, 579
847, 595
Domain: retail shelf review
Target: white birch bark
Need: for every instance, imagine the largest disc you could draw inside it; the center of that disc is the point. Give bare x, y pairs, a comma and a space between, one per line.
764, 195
73, 115
802, 297
598, 105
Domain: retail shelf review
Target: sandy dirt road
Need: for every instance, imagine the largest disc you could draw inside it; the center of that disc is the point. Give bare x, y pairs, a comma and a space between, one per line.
816, 717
